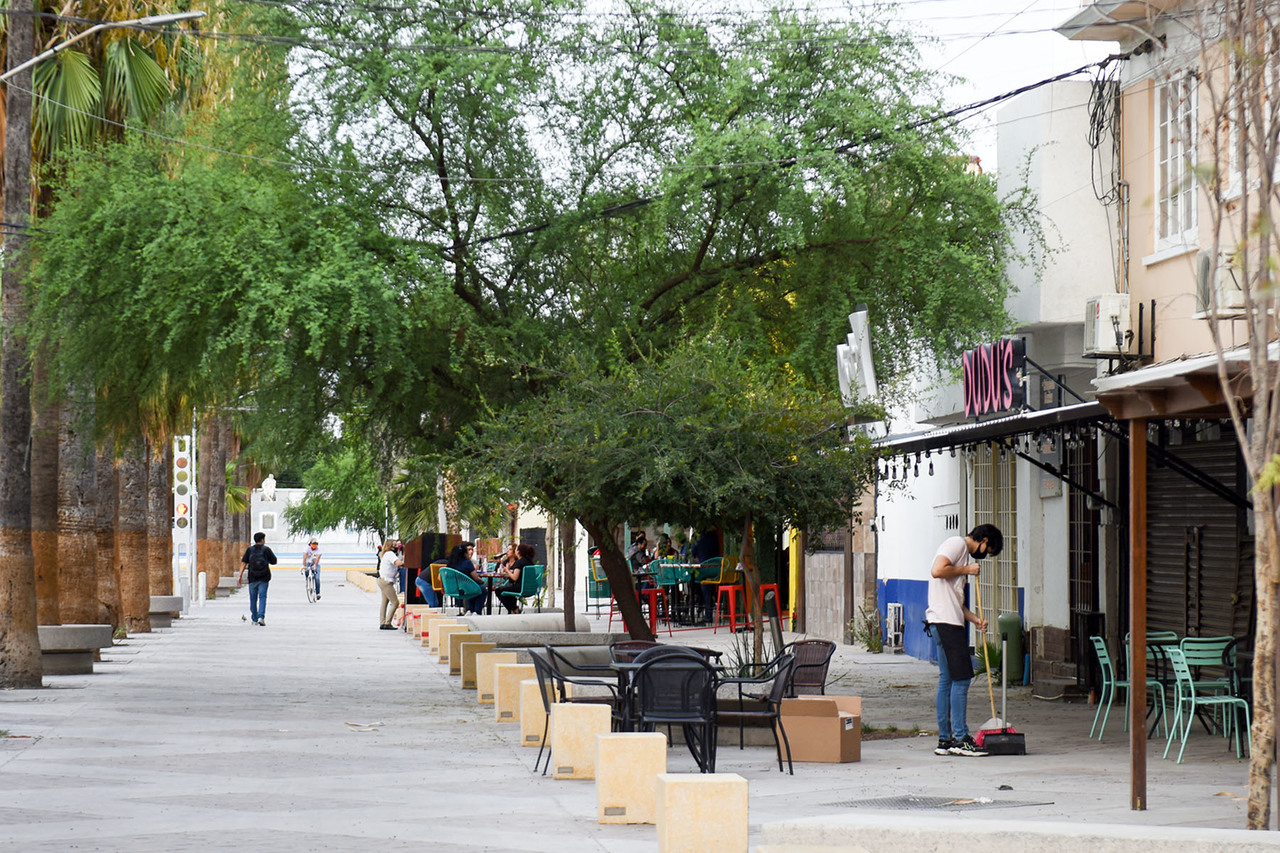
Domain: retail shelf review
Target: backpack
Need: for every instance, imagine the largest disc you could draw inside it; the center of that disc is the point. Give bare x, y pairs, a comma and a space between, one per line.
259, 568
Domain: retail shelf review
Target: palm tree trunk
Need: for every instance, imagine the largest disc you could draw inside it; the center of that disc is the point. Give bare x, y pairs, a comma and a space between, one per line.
20, 664
160, 518
104, 533
230, 530
131, 538
44, 499
77, 506
215, 492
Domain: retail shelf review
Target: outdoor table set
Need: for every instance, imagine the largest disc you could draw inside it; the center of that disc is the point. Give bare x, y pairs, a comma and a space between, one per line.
1202, 678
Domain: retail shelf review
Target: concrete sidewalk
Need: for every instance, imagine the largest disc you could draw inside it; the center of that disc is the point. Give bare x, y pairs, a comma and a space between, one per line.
320, 732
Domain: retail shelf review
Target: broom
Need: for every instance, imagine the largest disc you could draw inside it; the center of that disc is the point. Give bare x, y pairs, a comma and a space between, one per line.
996, 735
995, 723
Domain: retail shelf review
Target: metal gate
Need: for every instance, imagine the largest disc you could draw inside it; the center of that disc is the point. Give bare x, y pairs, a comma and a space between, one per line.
995, 502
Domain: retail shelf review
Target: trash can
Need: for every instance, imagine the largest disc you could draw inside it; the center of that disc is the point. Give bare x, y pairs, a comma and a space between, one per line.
1010, 626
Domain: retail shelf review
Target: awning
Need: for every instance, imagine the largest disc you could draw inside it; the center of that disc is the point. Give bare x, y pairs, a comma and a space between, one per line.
974, 433
1182, 387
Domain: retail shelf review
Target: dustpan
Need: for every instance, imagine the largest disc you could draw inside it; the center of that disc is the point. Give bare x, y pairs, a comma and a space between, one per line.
996, 736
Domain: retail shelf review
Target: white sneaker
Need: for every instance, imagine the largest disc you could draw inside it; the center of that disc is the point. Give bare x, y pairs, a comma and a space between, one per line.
262, 622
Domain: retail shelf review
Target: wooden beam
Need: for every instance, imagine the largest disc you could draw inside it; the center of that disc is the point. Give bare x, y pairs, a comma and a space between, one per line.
1138, 614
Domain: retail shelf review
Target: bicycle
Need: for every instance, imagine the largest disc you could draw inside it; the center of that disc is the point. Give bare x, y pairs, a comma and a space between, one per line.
309, 578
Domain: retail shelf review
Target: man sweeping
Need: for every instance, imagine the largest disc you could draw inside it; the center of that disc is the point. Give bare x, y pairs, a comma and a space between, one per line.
946, 616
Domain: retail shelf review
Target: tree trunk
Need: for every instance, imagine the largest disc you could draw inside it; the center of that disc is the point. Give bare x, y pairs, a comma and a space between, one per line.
160, 518
1263, 731
567, 564
614, 564
77, 499
44, 500
108, 563
231, 527
751, 583
204, 457
20, 664
215, 492
131, 538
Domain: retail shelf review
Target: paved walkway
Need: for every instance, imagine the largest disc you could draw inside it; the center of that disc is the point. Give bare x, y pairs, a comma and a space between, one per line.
320, 732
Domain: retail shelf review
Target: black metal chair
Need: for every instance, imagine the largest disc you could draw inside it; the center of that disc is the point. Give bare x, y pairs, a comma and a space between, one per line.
765, 691
553, 683
625, 651
813, 658
678, 690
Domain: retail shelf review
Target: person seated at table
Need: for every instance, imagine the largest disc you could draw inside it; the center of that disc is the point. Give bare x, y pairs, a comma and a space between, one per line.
706, 548
524, 558
508, 559
460, 559
638, 558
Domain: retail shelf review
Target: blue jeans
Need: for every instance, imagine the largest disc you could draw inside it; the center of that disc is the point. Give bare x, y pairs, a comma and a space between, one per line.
257, 600
315, 573
953, 699
428, 594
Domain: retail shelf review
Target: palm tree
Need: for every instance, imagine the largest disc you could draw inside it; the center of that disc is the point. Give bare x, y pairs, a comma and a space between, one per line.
160, 517
131, 538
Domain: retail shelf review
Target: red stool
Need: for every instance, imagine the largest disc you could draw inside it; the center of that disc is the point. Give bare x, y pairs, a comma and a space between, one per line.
776, 594
734, 591
652, 594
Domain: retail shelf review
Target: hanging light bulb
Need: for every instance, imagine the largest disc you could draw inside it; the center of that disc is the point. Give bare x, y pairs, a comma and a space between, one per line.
930, 467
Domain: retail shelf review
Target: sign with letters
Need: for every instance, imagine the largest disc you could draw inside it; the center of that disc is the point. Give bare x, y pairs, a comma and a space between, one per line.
993, 377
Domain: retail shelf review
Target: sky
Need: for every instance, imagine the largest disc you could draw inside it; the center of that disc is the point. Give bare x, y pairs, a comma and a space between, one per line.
997, 46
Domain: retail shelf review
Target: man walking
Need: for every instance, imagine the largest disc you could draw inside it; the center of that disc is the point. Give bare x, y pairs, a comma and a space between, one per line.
946, 616
257, 561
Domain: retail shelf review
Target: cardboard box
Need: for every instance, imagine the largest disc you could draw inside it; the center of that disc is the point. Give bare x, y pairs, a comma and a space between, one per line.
824, 728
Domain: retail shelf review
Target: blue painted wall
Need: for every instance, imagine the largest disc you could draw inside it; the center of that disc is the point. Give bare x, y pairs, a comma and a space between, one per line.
913, 595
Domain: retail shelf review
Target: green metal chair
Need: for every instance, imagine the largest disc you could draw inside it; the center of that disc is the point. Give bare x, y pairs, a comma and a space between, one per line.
531, 581
459, 587
597, 586
1188, 700
1112, 683
1207, 652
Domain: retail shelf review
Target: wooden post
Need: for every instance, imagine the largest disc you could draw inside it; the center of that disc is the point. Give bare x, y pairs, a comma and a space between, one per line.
1138, 614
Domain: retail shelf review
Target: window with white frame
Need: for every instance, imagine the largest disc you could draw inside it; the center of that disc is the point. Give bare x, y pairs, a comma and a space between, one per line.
1175, 153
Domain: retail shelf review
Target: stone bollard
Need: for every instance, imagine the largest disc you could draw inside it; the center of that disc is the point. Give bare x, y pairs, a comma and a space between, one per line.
574, 727
444, 632
456, 639
533, 714
506, 693
431, 637
486, 673
701, 813
627, 767
469, 652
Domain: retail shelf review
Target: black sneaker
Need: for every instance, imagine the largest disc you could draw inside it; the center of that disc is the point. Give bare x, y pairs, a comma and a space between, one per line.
943, 747
967, 747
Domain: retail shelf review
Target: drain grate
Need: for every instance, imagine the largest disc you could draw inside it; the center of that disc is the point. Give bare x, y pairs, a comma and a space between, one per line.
912, 802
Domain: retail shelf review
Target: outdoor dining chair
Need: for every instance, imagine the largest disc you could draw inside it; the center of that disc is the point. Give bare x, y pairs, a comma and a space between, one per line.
1111, 683
680, 690
765, 692
813, 658
556, 679
459, 587
531, 580
1188, 700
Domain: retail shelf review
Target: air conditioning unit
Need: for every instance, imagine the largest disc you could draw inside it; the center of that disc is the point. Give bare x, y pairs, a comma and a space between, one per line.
894, 625
1106, 326
1218, 279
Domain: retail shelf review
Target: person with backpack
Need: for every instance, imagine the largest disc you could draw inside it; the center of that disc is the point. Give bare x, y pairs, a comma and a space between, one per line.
257, 561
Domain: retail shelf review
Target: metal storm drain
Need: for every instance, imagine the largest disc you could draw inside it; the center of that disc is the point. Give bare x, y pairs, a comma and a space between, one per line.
912, 802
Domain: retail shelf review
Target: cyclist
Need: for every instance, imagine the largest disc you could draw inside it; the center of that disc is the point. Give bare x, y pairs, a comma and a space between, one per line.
311, 563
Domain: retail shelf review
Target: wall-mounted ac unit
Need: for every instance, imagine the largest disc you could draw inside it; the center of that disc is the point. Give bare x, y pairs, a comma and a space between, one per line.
1218, 278
1106, 326
894, 625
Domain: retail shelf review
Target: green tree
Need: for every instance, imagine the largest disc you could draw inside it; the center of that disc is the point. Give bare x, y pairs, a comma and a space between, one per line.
701, 436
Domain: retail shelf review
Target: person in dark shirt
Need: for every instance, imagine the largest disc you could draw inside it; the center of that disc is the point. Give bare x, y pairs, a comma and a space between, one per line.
525, 556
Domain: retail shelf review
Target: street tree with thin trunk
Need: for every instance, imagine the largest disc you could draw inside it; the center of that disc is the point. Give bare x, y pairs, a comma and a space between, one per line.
1235, 161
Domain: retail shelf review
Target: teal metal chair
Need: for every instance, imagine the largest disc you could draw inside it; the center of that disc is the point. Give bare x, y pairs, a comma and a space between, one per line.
531, 581
459, 587
1188, 700
1208, 652
1112, 683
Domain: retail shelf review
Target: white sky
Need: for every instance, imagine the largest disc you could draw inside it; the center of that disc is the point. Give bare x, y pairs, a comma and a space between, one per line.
998, 46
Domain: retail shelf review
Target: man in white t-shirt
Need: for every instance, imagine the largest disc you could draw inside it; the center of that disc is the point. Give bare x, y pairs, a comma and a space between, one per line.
947, 616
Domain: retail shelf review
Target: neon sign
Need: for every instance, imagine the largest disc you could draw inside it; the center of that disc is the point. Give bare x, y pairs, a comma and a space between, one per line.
993, 377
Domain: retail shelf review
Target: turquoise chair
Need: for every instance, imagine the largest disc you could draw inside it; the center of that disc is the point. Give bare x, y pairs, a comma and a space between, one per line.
1188, 699
1110, 684
531, 580
459, 587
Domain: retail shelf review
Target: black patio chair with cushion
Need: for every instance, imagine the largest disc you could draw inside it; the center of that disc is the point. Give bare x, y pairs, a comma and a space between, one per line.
678, 690
765, 693
813, 658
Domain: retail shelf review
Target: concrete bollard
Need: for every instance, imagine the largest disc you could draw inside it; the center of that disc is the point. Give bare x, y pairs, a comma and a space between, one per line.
431, 635
486, 674
574, 727
627, 766
701, 812
506, 692
444, 632
533, 715
469, 652
456, 639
